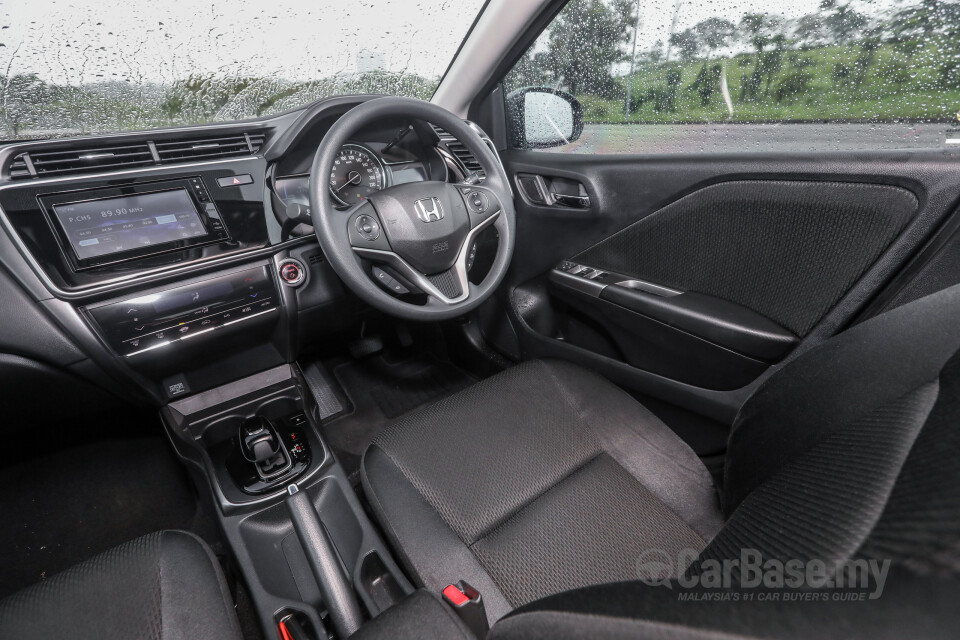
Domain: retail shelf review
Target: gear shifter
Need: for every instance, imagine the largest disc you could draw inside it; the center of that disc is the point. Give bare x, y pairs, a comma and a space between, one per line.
260, 444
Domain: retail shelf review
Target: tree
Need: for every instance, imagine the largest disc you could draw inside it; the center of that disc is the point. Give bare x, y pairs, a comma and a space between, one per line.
654, 54
809, 31
21, 96
842, 23
531, 70
868, 53
707, 82
793, 85
759, 29
771, 62
664, 97
926, 22
585, 41
924, 19
714, 33
687, 43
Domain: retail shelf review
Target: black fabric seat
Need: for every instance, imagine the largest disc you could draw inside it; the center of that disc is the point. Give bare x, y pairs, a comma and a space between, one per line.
541, 479
546, 478
163, 586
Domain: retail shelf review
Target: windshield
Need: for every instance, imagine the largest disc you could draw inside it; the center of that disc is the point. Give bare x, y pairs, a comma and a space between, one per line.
73, 68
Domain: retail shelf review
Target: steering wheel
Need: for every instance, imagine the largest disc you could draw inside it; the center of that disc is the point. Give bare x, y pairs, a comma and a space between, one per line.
424, 231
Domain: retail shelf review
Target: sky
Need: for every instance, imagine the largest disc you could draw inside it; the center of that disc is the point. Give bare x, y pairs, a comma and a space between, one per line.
165, 40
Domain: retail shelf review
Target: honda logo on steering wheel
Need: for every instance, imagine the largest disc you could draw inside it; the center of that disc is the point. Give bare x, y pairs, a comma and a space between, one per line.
428, 209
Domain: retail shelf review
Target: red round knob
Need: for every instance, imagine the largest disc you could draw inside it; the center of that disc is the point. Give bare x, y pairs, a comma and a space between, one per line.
291, 273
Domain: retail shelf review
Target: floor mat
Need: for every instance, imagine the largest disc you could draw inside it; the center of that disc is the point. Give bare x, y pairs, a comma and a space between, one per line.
381, 391
66, 507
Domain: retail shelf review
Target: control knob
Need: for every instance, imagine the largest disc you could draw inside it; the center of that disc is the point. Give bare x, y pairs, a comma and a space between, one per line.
292, 272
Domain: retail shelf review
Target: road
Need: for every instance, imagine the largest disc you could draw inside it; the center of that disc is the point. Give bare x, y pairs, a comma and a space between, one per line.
719, 138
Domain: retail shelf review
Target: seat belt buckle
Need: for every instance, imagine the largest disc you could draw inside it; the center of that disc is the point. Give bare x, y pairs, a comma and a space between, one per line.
468, 604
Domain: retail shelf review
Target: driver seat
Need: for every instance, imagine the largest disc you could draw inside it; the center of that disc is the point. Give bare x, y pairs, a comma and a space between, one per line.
547, 478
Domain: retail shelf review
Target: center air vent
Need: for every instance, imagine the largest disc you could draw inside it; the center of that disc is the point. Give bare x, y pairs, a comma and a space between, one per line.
46, 162
206, 148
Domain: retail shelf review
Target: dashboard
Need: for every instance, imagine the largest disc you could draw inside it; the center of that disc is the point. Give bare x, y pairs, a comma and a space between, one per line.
164, 255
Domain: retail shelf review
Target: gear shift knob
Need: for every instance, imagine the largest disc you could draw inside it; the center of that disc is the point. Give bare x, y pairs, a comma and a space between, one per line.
258, 439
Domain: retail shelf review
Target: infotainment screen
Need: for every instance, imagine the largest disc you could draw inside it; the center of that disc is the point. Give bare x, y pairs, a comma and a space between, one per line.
106, 226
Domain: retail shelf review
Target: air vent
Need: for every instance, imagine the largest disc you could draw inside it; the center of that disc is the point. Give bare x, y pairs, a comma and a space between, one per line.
19, 168
443, 133
467, 160
207, 148
66, 162
43, 164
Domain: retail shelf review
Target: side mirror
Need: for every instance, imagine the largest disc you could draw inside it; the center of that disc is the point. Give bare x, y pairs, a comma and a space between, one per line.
541, 117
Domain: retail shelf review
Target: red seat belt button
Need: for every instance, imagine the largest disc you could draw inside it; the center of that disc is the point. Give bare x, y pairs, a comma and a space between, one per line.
454, 596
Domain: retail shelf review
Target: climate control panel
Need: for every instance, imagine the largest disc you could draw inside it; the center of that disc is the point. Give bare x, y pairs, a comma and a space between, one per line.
147, 322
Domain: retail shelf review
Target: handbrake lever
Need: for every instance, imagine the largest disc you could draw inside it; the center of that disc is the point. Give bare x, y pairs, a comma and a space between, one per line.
335, 588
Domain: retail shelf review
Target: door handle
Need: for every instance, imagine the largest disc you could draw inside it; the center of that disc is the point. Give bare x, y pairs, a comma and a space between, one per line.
579, 202
553, 191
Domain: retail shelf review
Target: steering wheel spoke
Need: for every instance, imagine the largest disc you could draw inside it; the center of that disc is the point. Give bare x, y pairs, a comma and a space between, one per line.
482, 203
448, 287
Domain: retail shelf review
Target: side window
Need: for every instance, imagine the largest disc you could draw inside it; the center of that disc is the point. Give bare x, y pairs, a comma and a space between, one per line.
620, 76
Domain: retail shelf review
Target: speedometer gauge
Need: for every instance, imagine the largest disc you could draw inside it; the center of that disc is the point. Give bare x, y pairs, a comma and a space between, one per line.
356, 173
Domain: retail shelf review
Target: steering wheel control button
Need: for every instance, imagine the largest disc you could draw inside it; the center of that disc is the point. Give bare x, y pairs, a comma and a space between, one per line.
389, 282
292, 272
235, 181
477, 202
368, 227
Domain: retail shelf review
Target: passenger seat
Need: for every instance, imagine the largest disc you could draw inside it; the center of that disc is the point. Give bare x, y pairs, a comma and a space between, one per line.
163, 586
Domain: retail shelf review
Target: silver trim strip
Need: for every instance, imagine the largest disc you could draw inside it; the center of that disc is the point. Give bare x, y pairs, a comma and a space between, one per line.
648, 287
174, 326
151, 348
198, 333
459, 267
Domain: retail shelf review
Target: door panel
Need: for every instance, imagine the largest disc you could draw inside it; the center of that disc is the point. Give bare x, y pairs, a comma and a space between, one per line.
708, 270
786, 250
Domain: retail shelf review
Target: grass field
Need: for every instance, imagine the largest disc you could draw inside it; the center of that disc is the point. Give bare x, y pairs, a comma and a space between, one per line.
829, 83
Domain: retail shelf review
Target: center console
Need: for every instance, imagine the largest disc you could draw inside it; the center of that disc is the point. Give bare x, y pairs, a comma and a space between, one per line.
254, 442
